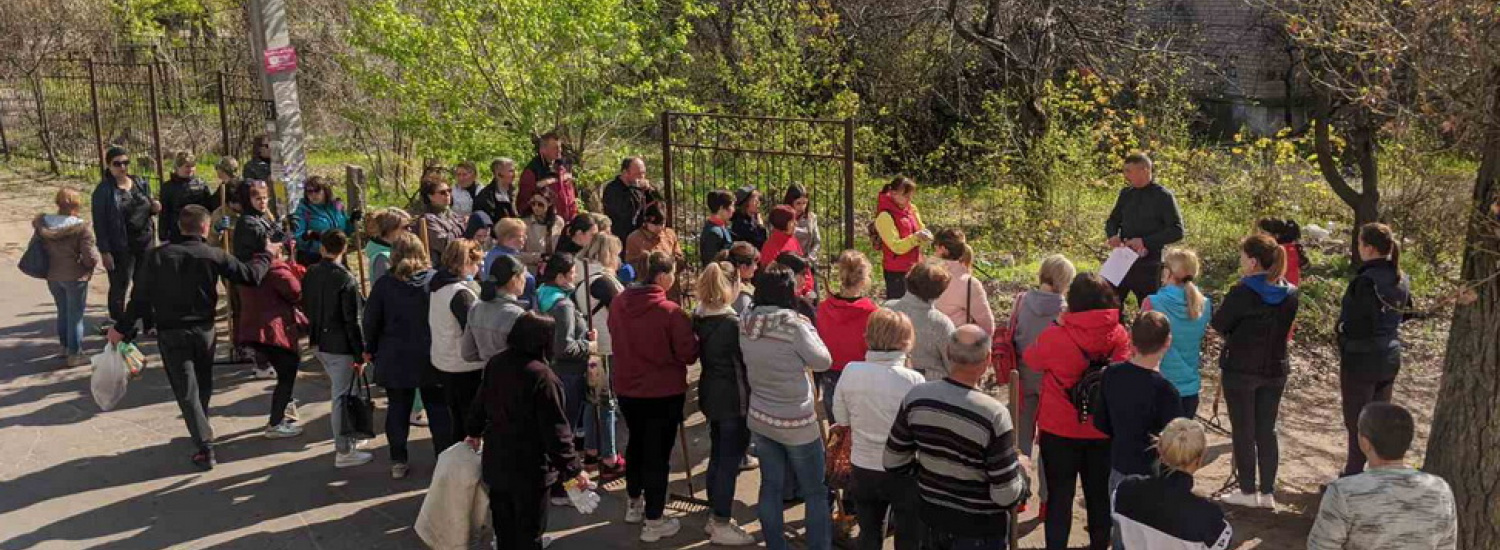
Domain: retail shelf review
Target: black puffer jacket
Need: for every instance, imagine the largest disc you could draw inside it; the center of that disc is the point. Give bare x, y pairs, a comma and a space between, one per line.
1255, 319
251, 233
723, 392
178, 193
332, 301
1374, 307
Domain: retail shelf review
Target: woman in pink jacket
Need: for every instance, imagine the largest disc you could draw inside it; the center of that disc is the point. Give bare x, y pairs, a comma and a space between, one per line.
964, 302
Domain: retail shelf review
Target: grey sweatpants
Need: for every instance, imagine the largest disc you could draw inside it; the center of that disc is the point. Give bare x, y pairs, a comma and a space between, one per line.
340, 374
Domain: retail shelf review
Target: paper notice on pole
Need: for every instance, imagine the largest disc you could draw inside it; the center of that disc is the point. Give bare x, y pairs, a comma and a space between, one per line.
1118, 264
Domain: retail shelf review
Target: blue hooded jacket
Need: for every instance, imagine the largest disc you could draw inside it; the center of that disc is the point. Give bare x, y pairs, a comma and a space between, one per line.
1181, 364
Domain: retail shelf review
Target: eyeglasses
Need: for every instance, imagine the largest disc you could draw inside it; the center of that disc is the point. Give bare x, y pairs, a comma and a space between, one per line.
442, 192
120, 163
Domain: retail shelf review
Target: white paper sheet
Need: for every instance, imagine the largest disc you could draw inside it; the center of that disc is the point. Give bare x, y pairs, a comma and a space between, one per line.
1118, 264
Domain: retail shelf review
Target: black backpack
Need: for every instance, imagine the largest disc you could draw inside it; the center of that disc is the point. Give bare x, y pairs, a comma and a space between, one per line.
1087, 396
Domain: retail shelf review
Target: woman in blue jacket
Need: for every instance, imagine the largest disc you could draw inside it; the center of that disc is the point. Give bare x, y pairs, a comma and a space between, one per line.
318, 212
1189, 311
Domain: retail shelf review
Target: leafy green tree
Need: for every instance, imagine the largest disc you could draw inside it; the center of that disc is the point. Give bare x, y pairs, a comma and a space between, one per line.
472, 78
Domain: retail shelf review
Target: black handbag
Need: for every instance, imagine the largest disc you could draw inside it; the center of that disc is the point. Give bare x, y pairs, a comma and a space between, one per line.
34, 262
358, 420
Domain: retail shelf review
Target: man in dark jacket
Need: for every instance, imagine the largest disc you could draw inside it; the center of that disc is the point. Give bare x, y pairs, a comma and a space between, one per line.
182, 189
626, 196
332, 301
179, 286
1145, 219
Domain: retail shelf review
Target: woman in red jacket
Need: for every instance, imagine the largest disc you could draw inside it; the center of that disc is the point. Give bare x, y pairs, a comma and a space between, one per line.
841, 321
653, 343
1089, 334
901, 234
271, 324
783, 239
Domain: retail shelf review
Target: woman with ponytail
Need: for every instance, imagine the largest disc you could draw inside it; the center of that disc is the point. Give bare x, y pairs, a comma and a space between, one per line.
1288, 234
1161, 511
1255, 319
964, 301
1189, 311
499, 306
1374, 306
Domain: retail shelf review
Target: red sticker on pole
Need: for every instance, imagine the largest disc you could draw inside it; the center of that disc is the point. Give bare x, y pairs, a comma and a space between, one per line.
280, 60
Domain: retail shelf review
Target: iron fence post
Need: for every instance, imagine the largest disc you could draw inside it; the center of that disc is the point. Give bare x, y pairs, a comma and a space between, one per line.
155, 123
666, 163
223, 117
848, 183
4, 143
94, 106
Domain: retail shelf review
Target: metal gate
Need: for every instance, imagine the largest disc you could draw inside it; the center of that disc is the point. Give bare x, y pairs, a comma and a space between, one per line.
702, 152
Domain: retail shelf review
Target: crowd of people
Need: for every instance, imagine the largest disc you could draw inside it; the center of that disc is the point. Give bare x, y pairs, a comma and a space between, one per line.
525, 328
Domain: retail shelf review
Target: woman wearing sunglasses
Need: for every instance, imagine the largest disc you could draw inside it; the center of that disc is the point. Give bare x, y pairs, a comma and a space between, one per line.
443, 224
318, 213
123, 209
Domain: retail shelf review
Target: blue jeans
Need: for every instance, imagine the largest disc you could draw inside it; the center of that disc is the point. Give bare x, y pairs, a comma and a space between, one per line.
727, 439
805, 463
593, 415
575, 392
70, 297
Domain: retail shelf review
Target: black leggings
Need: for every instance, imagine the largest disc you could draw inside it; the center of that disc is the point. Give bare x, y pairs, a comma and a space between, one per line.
1254, 401
519, 512
653, 424
1067, 461
398, 419
128, 265
285, 362
460, 388
1358, 391
895, 285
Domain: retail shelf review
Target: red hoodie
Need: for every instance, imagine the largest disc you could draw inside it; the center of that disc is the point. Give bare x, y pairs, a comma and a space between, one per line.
786, 242
1056, 355
269, 313
653, 342
841, 325
906, 224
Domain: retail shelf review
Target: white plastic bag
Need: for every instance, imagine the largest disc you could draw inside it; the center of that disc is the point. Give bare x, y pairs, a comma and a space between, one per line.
110, 377
457, 505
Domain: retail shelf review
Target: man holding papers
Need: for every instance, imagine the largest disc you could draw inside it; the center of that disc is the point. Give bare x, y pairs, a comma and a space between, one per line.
1145, 219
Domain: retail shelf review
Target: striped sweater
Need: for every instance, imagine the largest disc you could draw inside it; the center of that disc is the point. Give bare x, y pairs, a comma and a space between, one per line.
1386, 509
960, 445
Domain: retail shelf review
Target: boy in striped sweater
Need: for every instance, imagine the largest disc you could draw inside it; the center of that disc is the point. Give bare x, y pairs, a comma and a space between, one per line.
960, 445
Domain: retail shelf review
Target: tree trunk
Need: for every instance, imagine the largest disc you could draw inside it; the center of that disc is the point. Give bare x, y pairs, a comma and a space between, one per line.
1466, 423
1366, 201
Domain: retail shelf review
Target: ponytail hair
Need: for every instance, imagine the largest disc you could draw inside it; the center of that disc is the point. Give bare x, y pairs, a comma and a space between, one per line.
715, 288
1184, 264
1271, 256
1380, 237
957, 245
901, 185
503, 270
557, 265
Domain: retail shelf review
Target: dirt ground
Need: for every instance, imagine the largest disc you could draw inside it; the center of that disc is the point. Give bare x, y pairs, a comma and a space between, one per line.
1312, 434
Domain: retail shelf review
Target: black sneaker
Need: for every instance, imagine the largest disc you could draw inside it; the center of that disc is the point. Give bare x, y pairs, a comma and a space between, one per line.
204, 460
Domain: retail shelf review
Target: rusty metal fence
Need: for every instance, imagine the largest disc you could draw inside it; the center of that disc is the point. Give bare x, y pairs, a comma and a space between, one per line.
68, 111
703, 152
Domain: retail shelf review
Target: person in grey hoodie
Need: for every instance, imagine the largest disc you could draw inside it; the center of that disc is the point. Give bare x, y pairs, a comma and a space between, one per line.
572, 345
925, 282
499, 306
1034, 311
779, 346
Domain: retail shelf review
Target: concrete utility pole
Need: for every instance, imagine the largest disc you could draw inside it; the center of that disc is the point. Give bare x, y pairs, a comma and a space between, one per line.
271, 42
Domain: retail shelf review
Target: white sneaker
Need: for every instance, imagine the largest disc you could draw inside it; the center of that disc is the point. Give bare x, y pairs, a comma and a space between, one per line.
267, 373
351, 459
1247, 500
361, 444
419, 418
286, 428
291, 410
561, 501
635, 510
749, 463
1266, 501
657, 529
727, 533
400, 470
